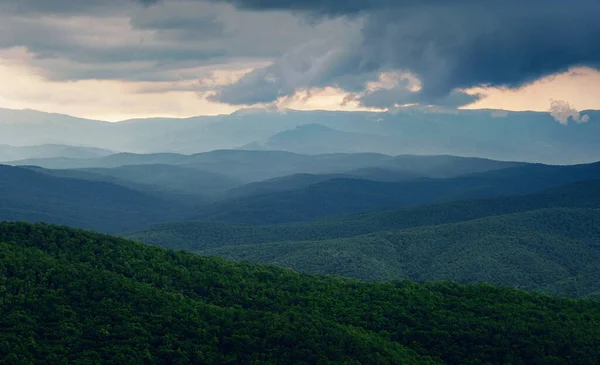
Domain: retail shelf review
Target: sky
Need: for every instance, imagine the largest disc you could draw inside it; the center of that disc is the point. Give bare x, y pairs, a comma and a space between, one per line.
120, 59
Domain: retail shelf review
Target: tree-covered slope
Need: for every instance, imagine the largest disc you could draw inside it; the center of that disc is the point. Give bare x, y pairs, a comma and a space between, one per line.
173, 178
531, 250
157, 178
344, 196
69, 296
33, 196
162, 192
201, 235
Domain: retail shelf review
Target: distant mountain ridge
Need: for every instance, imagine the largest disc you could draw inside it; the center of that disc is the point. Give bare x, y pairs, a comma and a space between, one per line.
14, 153
340, 196
520, 136
315, 139
250, 166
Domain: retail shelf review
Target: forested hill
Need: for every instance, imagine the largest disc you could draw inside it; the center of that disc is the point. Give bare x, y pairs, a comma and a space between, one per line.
341, 196
537, 250
73, 297
200, 235
36, 196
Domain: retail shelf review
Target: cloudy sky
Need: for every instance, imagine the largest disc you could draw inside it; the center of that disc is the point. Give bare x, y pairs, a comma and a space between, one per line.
118, 59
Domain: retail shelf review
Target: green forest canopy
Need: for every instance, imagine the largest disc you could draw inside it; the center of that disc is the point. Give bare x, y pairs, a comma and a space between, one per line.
74, 297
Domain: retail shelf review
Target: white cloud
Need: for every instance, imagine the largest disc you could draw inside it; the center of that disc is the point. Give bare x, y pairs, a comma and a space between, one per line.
563, 112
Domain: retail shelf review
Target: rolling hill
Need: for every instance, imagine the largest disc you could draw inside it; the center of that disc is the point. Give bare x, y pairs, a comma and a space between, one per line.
200, 235
70, 296
172, 183
33, 196
343, 196
315, 139
253, 166
171, 178
382, 168
115, 160
535, 250
12, 153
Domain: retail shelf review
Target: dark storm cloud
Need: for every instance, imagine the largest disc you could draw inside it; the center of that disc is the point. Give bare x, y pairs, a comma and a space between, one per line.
326, 7
78, 51
182, 21
448, 45
144, 40
110, 39
67, 7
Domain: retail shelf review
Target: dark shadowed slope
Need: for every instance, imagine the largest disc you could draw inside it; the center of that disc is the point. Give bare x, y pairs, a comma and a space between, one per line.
196, 236
279, 184
69, 296
535, 250
33, 196
344, 196
172, 178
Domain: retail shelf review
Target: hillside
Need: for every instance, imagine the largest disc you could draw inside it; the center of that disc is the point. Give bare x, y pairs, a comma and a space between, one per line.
534, 250
279, 184
111, 161
171, 178
399, 168
314, 139
344, 196
34, 196
199, 235
70, 296
12, 153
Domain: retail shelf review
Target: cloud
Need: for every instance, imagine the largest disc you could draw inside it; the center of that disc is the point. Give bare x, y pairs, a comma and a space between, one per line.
317, 7
68, 7
105, 100
448, 45
563, 112
301, 68
132, 41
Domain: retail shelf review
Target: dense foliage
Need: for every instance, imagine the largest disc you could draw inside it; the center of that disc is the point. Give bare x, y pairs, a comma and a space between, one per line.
203, 235
346, 195
99, 205
73, 297
123, 197
536, 250
553, 249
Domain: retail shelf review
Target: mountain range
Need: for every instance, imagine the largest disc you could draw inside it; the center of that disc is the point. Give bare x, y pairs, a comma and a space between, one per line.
254, 166
392, 257
546, 241
500, 135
